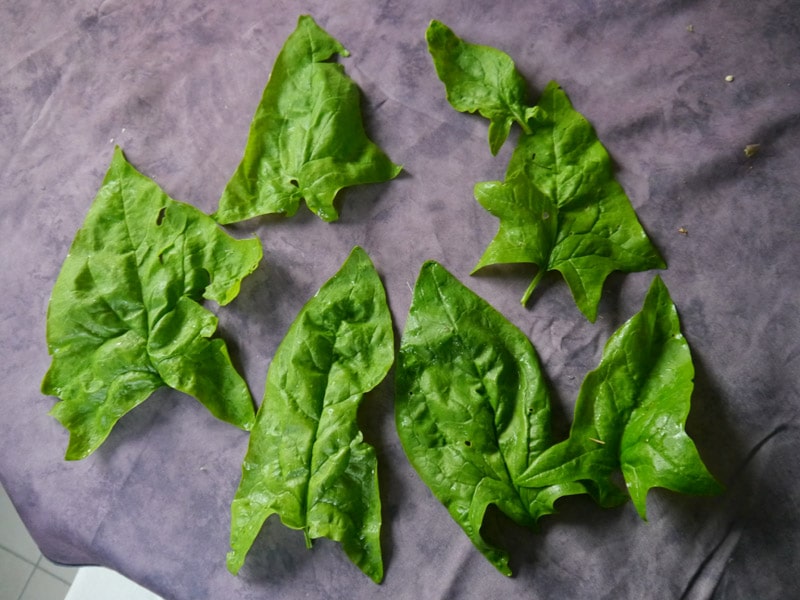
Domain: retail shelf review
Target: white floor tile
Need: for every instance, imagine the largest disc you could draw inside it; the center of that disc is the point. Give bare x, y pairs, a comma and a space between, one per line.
13, 535
65, 574
14, 574
92, 583
43, 586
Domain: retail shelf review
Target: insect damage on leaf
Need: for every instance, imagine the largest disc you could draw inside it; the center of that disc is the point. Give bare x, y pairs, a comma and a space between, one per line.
124, 317
307, 139
472, 408
307, 460
473, 411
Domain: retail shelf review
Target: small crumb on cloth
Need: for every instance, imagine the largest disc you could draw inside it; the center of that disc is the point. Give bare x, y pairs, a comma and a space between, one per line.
751, 150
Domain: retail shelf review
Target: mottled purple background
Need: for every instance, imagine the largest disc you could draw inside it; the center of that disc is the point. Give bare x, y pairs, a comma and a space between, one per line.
176, 83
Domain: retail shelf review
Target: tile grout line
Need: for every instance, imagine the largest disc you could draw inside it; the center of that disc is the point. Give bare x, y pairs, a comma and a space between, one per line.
27, 583
19, 556
36, 567
44, 569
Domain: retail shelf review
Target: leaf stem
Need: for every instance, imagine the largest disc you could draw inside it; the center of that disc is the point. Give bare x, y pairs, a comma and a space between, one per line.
527, 295
523, 122
308, 538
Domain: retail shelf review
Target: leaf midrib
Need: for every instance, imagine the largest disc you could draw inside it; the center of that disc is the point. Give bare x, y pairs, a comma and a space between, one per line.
455, 330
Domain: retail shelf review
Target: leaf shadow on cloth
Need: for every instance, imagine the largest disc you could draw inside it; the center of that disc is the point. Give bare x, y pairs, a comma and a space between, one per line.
719, 520
361, 203
579, 517
278, 555
375, 422
756, 517
138, 425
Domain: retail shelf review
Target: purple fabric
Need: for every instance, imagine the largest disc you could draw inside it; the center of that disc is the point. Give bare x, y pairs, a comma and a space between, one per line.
176, 84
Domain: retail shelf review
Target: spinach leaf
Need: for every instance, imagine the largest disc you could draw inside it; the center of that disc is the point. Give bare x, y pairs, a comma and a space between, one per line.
631, 412
561, 208
307, 138
124, 317
307, 460
479, 78
472, 408
472, 411
559, 205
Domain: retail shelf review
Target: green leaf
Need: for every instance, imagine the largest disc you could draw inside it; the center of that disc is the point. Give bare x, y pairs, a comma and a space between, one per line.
124, 317
561, 208
472, 411
631, 412
307, 460
479, 78
307, 138
472, 408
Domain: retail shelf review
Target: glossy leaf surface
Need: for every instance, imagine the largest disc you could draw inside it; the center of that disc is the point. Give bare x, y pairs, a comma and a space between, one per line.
307, 460
472, 408
307, 138
472, 411
631, 413
561, 208
479, 79
124, 317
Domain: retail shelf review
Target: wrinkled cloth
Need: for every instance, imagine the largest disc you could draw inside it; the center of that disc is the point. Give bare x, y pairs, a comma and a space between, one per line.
175, 84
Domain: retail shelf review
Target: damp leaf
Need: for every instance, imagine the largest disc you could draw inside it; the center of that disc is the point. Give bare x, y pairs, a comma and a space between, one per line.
125, 318
561, 208
472, 408
631, 413
307, 460
472, 411
307, 139
479, 79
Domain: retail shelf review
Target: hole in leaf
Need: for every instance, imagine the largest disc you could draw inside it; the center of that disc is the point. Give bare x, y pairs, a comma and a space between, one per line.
467, 443
294, 182
161, 214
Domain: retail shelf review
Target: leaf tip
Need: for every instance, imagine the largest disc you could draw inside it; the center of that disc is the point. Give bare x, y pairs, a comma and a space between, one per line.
639, 499
78, 449
431, 266
118, 158
233, 562
435, 27
439, 38
498, 134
